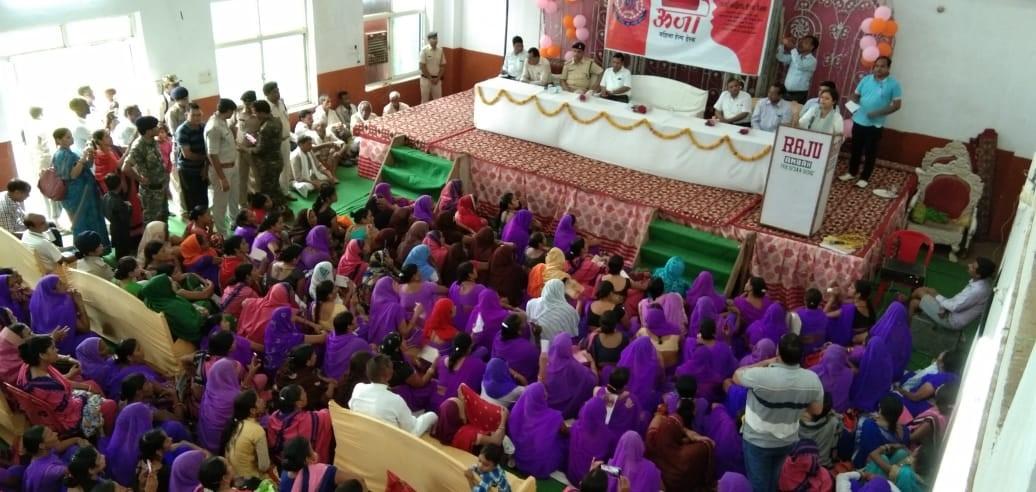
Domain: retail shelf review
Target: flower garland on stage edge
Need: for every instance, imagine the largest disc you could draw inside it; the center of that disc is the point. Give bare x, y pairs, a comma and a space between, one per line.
725, 139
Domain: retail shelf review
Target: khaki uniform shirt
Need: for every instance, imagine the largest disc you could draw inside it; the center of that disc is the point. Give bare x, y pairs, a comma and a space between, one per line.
579, 75
433, 59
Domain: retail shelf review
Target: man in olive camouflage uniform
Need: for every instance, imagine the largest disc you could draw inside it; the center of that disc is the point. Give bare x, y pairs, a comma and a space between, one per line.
145, 162
267, 151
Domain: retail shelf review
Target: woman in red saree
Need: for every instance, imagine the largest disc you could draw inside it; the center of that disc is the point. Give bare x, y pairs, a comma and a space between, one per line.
682, 455
291, 420
467, 421
466, 217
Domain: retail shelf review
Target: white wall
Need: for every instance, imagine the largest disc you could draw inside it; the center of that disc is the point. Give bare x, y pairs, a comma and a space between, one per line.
523, 19
967, 69
482, 25
337, 34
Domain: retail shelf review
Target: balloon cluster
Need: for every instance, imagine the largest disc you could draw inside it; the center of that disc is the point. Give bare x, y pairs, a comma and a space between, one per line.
879, 26
574, 26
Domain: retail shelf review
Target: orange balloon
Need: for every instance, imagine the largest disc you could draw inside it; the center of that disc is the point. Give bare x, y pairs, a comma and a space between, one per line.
553, 51
884, 48
570, 33
866, 64
891, 28
878, 25
568, 22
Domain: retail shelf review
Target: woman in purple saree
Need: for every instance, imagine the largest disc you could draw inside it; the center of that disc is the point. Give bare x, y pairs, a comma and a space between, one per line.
342, 343
711, 362
465, 293
318, 248
875, 376
53, 306
513, 346
459, 367
122, 448
646, 373
703, 309
569, 384
485, 320
536, 430
217, 403
386, 312
704, 286
95, 361
836, 375
129, 359
424, 209
723, 430
772, 326
751, 305
517, 233
565, 233
589, 439
814, 322
643, 475
894, 327
625, 412
384, 190
764, 349
15, 295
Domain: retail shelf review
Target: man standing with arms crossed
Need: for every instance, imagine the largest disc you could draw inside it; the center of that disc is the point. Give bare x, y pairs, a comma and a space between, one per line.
222, 147
145, 165
433, 66
246, 126
267, 154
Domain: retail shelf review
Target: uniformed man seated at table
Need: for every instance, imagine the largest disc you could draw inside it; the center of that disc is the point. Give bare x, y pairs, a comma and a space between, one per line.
580, 73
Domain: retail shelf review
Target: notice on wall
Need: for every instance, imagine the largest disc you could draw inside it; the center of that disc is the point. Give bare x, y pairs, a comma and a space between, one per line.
724, 35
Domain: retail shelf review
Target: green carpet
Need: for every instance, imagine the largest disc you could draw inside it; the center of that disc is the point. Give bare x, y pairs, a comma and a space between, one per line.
414, 173
699, 250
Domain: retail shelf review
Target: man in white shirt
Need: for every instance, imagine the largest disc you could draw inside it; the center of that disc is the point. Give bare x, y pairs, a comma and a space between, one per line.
126, 130
535, 71
306, 172
304, 126
617, 81
734, 105
222, 148
802, 62
37, 238
433, 66
375, 400
514, 61
81, 127
773, 111
364, 112
394, 105
280, 111
960, 310
345, 109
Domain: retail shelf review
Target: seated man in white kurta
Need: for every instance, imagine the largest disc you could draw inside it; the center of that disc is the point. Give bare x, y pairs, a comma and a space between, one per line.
306, 172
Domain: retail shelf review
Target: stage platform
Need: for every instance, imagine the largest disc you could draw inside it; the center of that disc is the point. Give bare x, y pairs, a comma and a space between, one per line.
615, 205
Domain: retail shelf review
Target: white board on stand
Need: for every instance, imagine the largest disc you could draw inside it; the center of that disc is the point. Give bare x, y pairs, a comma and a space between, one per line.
802, 166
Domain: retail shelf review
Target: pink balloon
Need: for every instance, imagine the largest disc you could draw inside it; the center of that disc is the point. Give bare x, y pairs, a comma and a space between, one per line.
582, 34
847, 127
884, 12
550, 8
867, 42
541, 3
569, 55
579, 21
865, 26
871, 53
545, 41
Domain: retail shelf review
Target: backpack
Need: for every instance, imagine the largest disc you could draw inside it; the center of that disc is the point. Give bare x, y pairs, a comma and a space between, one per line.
51, 185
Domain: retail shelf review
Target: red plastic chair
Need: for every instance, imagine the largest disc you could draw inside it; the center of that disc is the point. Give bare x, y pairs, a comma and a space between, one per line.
900, 262
35, 409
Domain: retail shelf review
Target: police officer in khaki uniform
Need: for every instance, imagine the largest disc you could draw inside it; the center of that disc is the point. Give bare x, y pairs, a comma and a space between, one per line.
580, 73
433, 67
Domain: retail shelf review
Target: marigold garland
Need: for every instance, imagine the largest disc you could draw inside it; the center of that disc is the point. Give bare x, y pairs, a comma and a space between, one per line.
566, 107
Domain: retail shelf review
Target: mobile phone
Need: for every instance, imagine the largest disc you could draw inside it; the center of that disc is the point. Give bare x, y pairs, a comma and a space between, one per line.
611, 470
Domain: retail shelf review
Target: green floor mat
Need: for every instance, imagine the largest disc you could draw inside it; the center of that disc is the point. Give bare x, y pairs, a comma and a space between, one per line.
699, 250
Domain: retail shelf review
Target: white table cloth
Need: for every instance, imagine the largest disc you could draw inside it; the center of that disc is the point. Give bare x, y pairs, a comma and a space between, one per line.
716, 156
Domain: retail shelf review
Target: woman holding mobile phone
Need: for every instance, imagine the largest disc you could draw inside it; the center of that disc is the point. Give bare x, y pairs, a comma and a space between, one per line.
83, 196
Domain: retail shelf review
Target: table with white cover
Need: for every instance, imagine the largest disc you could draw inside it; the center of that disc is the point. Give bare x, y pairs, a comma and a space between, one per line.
661, 142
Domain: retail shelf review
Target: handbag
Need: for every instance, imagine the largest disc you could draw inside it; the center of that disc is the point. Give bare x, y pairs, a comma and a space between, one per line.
51, 185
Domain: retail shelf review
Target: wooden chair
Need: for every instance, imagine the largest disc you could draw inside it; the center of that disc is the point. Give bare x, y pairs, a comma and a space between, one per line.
36, 410
953, 189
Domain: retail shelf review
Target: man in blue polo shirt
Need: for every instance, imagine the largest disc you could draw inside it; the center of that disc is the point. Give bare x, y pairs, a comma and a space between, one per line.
878, 95
192, 161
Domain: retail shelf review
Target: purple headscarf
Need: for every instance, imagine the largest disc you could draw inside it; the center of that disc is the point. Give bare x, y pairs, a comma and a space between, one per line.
465, 304
772, 326
423, 209
894, 327
469, 372
113, 386
450, 195
641, 358
516, 232
655, 321
263, 240
534, 428
704, 308
589, 439
318, 248
704, 286
643, 475
492, 315
750, 313
521, 355
123, 447
728, 455
217, 403
674, 308
281, 336
94, 366
184, 474
384, 190
19, 310
814, 326
836, 376
736, 401
568, 383
709, 366
876, 484
51, 309
386, 311
840, 329
248, 233
497, 381
763, 350
565, 233
734, 482
872, 382
44, 474
339, 350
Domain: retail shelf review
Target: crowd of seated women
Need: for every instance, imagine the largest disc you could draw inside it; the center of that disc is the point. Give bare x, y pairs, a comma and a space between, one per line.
529, 341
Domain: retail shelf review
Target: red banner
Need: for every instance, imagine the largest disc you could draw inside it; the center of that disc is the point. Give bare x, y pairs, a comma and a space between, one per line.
725, 35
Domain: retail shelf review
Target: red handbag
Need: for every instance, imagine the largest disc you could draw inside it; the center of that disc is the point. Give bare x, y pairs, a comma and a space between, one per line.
51, 185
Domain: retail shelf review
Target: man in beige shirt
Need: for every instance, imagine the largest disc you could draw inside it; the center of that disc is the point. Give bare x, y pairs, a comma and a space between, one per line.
222, 151
433, 67
580, 73
536, 70
280, 111
245, 125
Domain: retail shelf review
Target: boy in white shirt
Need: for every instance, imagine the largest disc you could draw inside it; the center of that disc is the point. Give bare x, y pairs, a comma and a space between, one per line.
306, 172
514, 61
734, 105
616, 82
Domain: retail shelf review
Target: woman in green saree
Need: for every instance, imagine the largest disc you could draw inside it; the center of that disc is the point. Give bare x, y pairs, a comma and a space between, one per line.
185, 321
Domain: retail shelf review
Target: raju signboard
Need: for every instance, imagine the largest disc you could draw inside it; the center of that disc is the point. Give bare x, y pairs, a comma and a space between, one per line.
802, 166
